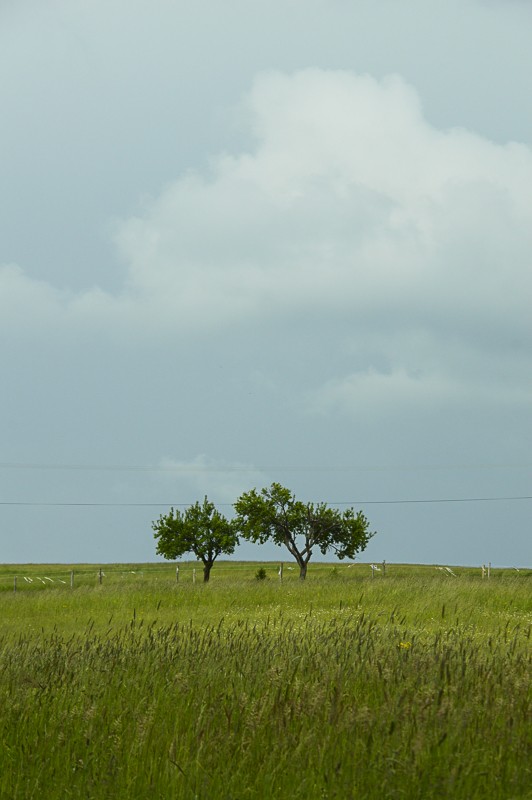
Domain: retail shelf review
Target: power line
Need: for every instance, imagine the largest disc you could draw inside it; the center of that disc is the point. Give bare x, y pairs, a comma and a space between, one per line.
441, 500
89, 504
183, 468
335, 503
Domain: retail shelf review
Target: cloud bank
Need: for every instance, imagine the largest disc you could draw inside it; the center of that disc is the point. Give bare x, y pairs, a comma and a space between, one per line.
350, 209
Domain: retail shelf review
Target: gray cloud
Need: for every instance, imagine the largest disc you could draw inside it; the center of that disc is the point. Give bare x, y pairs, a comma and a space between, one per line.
350, 205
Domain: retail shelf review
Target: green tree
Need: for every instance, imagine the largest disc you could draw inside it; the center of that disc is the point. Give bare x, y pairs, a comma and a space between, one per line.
275, 515
201, 530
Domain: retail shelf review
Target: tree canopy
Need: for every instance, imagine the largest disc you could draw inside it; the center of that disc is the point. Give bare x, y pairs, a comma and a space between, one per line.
200, 530
275, 515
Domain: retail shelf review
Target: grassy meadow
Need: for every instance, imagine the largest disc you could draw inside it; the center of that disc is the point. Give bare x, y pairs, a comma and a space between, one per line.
412, 684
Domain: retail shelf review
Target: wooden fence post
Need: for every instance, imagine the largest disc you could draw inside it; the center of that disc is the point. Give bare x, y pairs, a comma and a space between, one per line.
100, 576
383, 568
194, 575
71, 578
281, 572
177, 574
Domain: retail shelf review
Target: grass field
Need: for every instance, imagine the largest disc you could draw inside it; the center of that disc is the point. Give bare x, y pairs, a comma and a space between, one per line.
415, 684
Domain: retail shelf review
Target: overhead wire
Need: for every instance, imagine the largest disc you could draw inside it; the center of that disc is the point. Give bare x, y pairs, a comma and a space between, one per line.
89, 504
180, 468
191, 468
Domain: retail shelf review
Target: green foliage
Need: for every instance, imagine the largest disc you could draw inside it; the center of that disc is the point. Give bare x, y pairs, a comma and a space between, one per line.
260, 574
201, 530
275, 515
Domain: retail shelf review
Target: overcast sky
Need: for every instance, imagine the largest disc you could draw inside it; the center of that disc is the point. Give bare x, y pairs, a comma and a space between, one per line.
250, 241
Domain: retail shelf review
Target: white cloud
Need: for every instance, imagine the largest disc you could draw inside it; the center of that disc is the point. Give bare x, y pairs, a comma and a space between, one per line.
221, 480
372, 392
350, 200
351, 205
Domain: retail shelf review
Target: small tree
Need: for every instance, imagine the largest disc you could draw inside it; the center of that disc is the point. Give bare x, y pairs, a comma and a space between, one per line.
276, 515
201, 530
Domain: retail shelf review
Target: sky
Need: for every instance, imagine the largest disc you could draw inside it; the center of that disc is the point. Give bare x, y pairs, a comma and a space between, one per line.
248, 242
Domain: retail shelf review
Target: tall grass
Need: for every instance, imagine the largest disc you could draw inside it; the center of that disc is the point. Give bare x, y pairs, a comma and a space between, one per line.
342, 688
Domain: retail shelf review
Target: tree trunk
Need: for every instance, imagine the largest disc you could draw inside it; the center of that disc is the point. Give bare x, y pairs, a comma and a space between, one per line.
206, 572
302, 572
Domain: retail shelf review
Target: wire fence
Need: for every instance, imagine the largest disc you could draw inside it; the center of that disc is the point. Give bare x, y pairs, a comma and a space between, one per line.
31, 578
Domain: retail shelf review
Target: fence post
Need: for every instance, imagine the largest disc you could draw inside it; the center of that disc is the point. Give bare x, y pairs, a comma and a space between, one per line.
489, 570
100, 575
71, 578
177, 574
194, 575
15, 584
281, 572
383, 568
